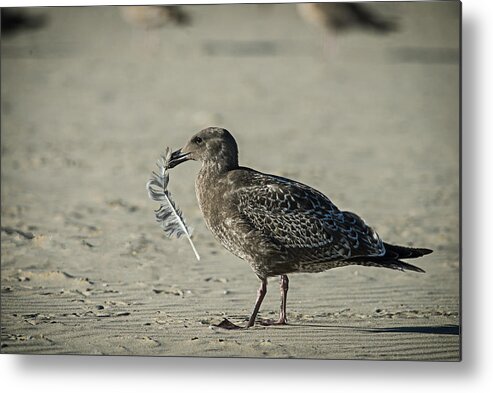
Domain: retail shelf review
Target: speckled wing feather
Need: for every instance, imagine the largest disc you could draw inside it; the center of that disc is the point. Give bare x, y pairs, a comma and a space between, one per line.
304, 223
168, 215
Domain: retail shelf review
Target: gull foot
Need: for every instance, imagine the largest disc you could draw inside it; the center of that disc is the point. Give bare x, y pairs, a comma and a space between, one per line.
228, 325
270, 322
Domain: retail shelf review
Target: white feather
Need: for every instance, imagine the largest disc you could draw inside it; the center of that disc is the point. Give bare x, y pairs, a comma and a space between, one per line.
168, 215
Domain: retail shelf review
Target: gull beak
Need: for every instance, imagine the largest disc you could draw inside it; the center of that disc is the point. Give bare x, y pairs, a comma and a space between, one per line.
177, 157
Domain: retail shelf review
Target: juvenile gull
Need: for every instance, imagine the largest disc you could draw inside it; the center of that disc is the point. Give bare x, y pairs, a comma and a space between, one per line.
277, 225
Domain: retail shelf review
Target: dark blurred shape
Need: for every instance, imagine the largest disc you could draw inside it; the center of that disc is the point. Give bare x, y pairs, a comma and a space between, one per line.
153, 17
15, 20
340, 17
453, 330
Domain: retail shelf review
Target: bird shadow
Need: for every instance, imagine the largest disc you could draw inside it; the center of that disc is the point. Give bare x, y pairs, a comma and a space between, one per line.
453, 330
450, 329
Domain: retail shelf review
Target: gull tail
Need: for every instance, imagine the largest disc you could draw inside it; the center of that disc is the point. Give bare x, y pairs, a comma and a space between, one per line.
407, 252
391, 258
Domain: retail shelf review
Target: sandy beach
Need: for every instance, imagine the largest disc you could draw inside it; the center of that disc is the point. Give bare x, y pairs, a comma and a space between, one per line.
89, 103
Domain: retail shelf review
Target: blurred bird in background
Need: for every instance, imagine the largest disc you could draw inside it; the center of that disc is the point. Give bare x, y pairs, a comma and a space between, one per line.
336, 18
15, 20
340, 17
153, 17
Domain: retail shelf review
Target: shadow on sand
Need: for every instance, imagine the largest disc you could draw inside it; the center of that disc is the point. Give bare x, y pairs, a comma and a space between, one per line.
453, 330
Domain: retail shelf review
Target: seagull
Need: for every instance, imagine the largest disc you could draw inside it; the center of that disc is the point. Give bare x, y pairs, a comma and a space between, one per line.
154, 16
338, 17
279, 226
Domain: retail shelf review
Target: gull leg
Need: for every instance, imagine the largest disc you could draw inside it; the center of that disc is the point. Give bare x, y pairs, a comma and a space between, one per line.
284, 284
260, 297
226, 324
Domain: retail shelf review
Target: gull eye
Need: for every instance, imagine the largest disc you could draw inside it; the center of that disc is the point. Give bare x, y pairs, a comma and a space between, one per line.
197, 140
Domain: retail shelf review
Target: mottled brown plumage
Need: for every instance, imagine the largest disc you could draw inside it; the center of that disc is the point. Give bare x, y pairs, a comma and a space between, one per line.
279, 226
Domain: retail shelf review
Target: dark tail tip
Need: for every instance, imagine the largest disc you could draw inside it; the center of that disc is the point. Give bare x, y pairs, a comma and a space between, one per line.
425, 251
406, 252
408, 266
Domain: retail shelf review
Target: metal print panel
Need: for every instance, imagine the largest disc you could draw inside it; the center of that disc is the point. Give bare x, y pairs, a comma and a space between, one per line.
313, 164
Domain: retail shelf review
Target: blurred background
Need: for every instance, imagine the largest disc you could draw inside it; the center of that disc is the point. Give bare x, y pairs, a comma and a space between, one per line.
359, 101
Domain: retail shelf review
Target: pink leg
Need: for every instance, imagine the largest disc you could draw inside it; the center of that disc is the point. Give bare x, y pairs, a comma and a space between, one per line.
284, 284
260, 297
226, 324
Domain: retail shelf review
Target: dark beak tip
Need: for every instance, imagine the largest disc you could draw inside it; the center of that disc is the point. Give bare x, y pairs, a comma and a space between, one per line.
175, 154
177, 157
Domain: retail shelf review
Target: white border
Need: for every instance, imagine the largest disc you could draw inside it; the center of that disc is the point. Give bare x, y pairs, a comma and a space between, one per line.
131, 374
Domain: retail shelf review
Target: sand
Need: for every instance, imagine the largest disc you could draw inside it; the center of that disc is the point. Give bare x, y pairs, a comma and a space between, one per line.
89, 103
